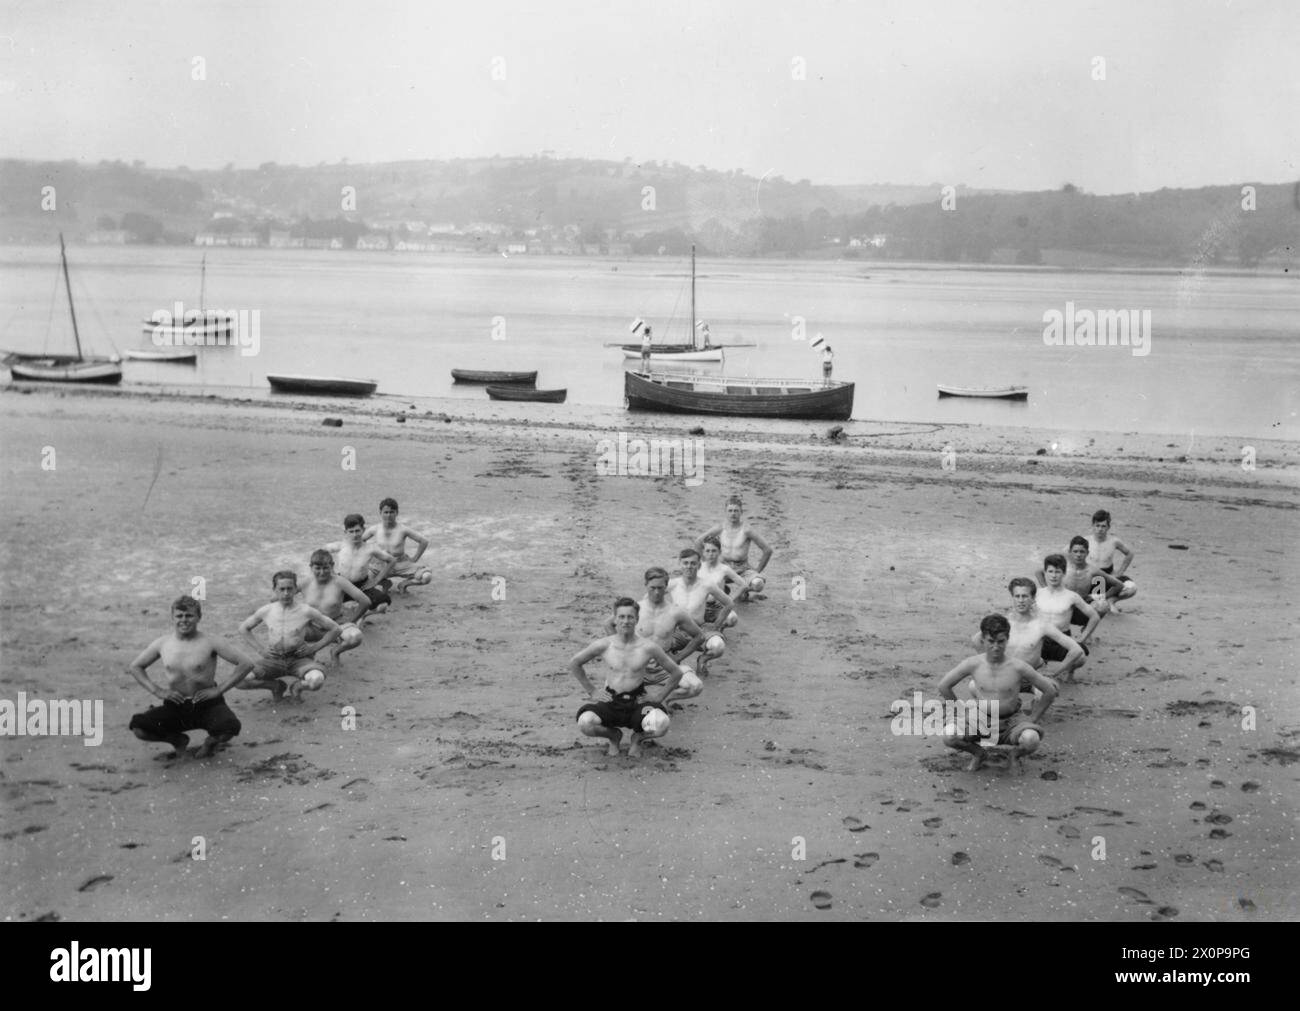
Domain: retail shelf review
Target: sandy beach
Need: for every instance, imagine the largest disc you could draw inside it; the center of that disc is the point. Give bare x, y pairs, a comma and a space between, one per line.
464, 790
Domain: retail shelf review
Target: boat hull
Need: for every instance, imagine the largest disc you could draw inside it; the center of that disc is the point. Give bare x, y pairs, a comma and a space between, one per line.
698, 355
986, 393
323, 385
520, 393
54, 370
834, 403
495, 378
162, 355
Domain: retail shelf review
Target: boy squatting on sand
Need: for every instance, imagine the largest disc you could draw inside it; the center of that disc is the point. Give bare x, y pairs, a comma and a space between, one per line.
997, 679
625, 702
192, 699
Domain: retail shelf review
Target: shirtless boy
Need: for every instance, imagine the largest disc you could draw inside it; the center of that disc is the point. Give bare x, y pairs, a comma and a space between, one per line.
717, 573
692, 595
392, 537
625, 701
997, 680
192, 699
736, 536
676, 632
1063, 607
327, 592
287, 653
1088, 581
364, 565
1101, 552
1030, 631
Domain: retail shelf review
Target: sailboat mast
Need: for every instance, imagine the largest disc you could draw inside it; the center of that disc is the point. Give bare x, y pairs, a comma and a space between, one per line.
693, 295
63, 255
203, 280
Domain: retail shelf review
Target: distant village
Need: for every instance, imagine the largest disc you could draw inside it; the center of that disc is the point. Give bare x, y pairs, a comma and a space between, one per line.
412, 236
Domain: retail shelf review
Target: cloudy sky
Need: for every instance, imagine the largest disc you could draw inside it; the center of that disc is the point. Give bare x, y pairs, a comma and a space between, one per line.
997, 94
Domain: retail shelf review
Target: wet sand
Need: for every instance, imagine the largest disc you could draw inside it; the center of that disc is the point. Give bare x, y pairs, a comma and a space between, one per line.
464, 790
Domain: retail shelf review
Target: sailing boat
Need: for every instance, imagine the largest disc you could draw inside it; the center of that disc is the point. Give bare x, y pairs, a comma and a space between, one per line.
687, 352
175, 337
64, 368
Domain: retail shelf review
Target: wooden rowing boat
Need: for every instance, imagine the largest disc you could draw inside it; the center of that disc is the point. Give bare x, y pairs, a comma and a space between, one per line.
183, 355
987, 392
495, 378
685, 393
523, 393
330, 386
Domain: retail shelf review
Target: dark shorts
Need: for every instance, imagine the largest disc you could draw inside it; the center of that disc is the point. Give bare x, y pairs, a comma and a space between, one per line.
1077, 617
214, 716
379, 594
1053, 651
1099, 585
1010, 728
626, 709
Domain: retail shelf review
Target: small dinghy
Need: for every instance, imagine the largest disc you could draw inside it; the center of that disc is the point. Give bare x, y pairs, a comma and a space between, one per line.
988, 392
329, 386
186, 356
495, 378
522, 393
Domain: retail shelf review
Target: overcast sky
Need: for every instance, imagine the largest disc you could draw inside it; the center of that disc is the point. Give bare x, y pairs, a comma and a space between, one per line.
996, 94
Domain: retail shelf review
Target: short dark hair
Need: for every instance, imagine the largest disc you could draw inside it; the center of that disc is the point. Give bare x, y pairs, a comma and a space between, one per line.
284, 574
1076, 539
994, 625
735, 499
1055, 561
1023, 581
1101, 516
389, 502
655, 572
187, 603
713, 539
321, 555
688, 553
353, 520
627, 602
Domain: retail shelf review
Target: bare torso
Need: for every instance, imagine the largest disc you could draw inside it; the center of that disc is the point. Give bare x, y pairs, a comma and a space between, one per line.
191, 664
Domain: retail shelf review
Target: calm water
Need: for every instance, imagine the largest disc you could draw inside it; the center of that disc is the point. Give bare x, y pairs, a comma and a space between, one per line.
1225, 355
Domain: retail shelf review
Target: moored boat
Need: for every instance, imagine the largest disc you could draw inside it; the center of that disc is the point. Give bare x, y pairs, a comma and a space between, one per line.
685, 393
331, 386
523, 393
182, 354
988, 392
495, 378
78, 368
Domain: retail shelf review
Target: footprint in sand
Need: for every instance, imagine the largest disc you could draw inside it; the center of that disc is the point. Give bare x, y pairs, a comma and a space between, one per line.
934, 822
1048, 860
1069, 831
94, 882
1164, 913
1219, 833
931, 901
1197, 805
1184, 859
960, 858
854, 824
1216, 784
1049, 775
1250, 786
821, 900
1218, 818
1246, 904
1214, 865
1144, 867
864, 860
1134, 894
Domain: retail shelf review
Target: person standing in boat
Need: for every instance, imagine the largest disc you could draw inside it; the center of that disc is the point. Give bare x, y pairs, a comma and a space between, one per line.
645, 349
828, 361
